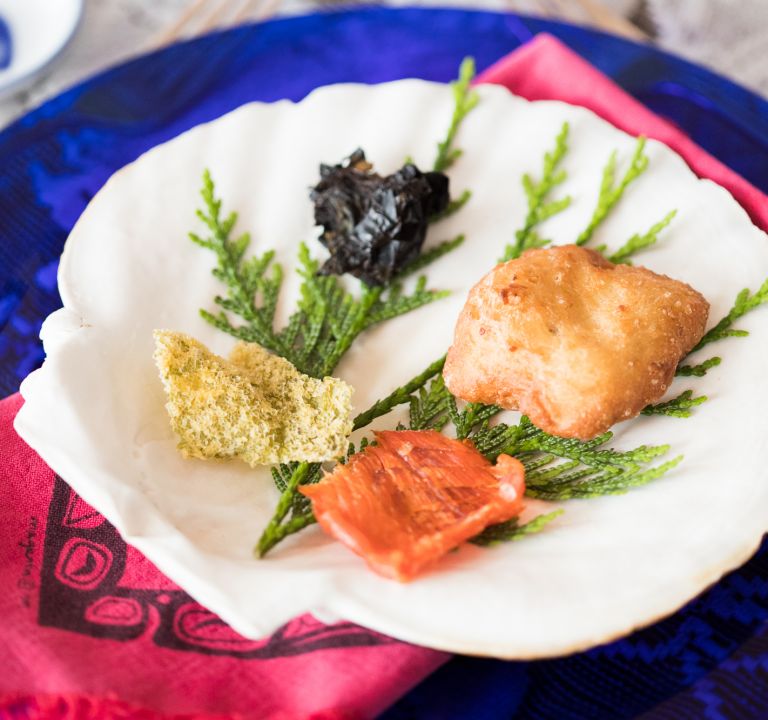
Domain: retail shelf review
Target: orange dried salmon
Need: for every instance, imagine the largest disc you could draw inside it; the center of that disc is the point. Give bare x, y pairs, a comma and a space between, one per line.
403, 503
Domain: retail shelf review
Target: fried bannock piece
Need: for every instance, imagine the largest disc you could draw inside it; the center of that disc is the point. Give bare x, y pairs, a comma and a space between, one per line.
403, 503
255, 406
572, 340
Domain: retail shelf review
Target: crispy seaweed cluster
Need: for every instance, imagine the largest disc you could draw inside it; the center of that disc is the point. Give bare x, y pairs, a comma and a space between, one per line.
372, 225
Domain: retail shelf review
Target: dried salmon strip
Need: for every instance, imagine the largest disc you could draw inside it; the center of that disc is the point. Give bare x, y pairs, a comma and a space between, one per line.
407, 500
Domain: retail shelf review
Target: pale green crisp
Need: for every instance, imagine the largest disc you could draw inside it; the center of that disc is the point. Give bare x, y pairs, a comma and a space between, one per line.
255, 405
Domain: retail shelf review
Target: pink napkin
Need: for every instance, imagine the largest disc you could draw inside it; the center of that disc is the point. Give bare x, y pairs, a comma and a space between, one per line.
86, 615
91, 629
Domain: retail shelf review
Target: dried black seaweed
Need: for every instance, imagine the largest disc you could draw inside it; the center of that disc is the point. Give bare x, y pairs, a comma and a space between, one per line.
374, 225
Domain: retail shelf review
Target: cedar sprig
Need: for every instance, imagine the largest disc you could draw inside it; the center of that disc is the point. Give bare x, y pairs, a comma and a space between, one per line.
430, 407
288, 477
611, 192
453, 206
399, 396
562, 469
745, 302
537, 192
353, 450
556, 468
251, 291
642, 241
699, 370
473, 416
566, 481
325, 324
541, 208
329, 319
680, 406
465, 99
512, 530
428, 257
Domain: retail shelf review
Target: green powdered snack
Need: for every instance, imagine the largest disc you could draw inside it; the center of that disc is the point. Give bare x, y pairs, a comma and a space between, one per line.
254, 405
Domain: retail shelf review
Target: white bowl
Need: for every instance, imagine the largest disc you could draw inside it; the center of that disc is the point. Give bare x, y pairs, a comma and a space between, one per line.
40, 30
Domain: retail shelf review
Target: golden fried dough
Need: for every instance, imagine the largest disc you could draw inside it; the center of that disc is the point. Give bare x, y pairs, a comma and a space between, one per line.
572, 340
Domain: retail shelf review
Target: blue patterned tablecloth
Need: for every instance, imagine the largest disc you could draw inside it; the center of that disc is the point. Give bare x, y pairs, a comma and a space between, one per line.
710, 660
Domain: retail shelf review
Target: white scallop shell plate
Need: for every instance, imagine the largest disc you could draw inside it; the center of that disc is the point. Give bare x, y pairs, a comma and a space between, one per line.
95, 411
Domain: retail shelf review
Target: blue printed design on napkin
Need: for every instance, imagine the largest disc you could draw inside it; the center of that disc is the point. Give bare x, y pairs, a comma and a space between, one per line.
5, 45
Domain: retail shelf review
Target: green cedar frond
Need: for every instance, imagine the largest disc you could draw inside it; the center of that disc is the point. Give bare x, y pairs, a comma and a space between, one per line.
430, 406
352, 450
400, 396
698, 370
556, 468
276, 533
392, 307
610, 192
472, 416
512, 530
590, 482
328, 318
453, 207
745, 302
561, 468
679, 406
429, 256
465, 100
323, 327
251, 292
540, 208
298, 475
640, 242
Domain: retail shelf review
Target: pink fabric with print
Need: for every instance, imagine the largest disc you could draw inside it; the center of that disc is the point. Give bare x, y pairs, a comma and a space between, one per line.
92, 629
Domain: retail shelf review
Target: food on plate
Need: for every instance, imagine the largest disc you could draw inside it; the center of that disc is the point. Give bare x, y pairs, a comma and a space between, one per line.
315, 321
374, 225
572, 340
407, 500
255, 405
